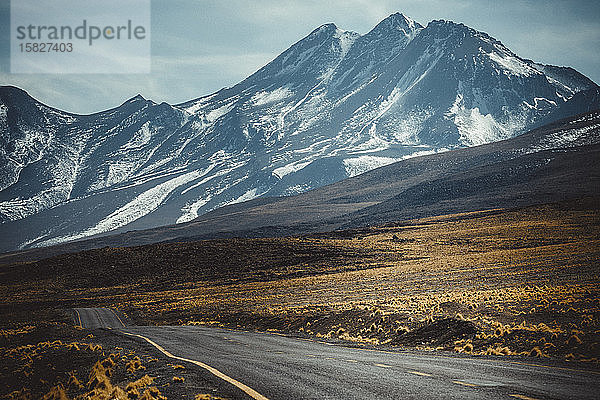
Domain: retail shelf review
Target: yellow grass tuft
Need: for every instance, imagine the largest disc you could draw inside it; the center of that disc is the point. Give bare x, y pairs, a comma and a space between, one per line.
536, 352
73, 382
141, 383
98, 378
401, 330
108, 364
113, 393
94, 347
498, 351
23, 394
134, 364
203, 396
152, 393
73, 346
56, 393
573, 340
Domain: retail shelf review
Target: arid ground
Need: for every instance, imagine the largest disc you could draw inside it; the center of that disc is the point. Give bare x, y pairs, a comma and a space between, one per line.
516, 283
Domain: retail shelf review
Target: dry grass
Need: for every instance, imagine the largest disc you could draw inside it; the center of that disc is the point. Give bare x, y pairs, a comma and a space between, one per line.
525, 279
205, 396
134, 365
515, 282
68, 370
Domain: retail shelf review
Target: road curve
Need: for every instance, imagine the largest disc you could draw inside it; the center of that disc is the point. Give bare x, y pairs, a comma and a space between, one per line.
280, 367
93, 318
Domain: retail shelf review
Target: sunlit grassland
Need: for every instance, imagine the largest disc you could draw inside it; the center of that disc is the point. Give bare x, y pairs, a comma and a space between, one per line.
519, 281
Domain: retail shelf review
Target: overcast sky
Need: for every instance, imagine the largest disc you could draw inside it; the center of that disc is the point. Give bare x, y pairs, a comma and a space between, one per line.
200, 46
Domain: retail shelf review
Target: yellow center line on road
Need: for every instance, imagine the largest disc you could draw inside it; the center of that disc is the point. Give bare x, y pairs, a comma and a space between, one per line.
464, 383
419, 373
382, 365
246, 389
352, 361
277, 333
119, 318
522, 397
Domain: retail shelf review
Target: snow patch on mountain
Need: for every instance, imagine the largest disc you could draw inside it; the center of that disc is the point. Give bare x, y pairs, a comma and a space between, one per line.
568, 138
297, 189
512, 65
249, 195
279, 94
215, 114
192, 107
190, 210
540, 103
28, 148
143, 204
346, 40
358, 165
280, 172
140, 139
18, 208
475, 128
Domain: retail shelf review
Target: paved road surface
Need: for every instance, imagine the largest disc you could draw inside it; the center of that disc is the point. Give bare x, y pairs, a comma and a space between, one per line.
96, 318
285, 368
279, 367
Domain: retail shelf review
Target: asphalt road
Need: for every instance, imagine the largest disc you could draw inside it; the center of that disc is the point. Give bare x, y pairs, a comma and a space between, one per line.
287, 368
93, 318
278, 367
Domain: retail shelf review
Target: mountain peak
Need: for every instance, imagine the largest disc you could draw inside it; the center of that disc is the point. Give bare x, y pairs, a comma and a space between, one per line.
13, 92
12, 89
402, 19
454, 27
398, 21
329, 28
135, 99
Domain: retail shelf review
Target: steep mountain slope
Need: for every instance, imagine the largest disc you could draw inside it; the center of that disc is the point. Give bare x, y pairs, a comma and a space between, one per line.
552, 163
557, 162
332, 106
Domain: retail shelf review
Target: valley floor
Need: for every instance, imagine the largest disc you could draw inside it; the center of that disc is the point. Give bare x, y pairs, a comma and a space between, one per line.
519, 283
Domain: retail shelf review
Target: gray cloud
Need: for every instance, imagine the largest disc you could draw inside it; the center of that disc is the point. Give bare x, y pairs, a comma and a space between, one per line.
199, 46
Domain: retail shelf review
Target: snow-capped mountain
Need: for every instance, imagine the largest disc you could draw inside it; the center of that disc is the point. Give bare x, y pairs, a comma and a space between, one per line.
333, 105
